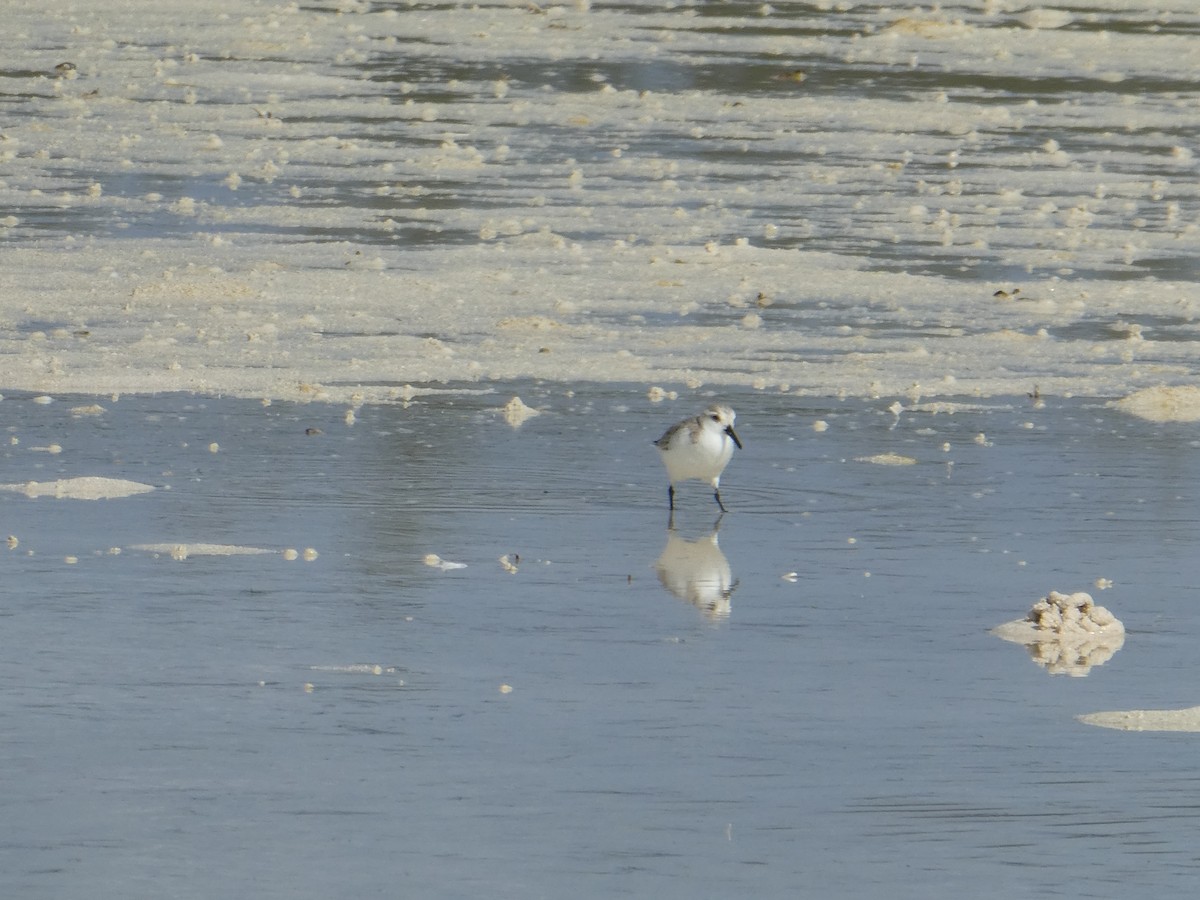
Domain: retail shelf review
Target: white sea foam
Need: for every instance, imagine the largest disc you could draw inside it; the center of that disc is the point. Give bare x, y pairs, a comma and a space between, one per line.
182, 551
86, 487
291, 201
1067, 633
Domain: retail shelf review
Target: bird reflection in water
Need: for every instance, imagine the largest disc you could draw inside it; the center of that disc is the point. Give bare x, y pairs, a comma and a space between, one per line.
697, 571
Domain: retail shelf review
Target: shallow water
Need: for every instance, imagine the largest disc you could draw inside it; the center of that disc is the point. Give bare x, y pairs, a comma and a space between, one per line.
855, 732
337, 199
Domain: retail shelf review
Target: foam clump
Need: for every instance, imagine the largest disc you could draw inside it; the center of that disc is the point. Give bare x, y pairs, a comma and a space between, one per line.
434, 561
1162, 403
1187, 720
1072, 614
1067, 634
91, 487
516, 412
887, 459
180, 552
356, 669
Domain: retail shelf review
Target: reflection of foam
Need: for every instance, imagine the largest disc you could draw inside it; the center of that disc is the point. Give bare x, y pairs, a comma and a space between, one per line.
698, 572
1066, 633
1147, 719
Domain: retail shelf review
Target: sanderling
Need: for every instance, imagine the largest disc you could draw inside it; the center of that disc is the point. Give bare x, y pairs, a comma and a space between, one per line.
699, 447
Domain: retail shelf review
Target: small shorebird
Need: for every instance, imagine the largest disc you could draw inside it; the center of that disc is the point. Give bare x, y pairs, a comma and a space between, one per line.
700, 448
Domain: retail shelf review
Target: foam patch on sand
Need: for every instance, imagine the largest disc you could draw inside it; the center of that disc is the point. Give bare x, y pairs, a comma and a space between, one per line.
1066, 634
91, 487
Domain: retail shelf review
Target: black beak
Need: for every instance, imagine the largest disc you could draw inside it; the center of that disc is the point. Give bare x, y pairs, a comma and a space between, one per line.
733, 434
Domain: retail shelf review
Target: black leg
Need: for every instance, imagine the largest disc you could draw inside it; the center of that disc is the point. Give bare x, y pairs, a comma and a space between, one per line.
717, 494
671, 496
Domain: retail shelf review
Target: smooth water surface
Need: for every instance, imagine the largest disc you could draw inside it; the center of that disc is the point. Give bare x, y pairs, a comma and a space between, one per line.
259, 726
